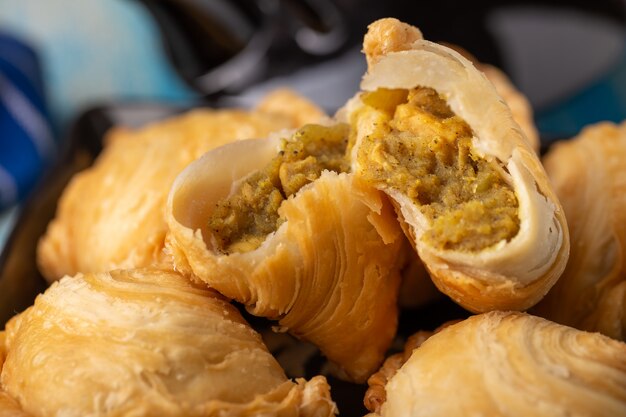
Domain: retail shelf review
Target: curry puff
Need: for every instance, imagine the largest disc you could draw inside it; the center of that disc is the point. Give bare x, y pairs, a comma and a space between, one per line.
432, 133
504, 364
281, 226
112, 214
417, 289
589, 176
145, 342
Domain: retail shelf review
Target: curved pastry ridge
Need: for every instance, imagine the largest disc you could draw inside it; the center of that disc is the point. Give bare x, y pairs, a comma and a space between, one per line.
328, 272
588, 175
510, 364
146, 342
471, 195
358, 303
111, 215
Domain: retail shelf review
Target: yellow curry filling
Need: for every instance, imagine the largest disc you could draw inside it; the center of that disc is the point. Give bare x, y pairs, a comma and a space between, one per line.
241, 221
422, 149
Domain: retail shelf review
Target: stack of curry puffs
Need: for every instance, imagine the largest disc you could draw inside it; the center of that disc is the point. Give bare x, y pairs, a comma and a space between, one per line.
425, 177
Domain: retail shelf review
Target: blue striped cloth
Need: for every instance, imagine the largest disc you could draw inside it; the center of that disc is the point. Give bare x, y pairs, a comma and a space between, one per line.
26, 141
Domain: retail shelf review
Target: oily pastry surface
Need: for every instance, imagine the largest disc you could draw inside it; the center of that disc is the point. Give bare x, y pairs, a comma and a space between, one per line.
589, 176
510, 364
112, 214
329, 273
146, 342
507, 244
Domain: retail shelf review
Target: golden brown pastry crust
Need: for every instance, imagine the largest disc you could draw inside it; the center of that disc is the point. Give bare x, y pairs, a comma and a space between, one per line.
146, 342
514, 274
112, 214
588, 175
510, 364
329, 274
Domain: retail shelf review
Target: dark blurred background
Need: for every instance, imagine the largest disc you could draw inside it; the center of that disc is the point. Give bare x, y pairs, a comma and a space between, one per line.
180, 51
83, 66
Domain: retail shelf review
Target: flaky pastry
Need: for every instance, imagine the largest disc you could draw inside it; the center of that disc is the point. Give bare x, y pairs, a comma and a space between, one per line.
146, 343
432, 133
589, 174
322, 259
112, 214
509, 364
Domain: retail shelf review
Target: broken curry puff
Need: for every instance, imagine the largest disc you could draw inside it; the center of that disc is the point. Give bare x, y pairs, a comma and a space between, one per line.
281, 226
432, 133
145, 343
112, 214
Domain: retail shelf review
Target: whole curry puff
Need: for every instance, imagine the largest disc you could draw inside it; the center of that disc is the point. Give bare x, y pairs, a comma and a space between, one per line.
432, 133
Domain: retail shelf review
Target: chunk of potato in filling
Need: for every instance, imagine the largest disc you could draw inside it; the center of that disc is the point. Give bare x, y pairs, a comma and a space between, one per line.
422, 149
241, 221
